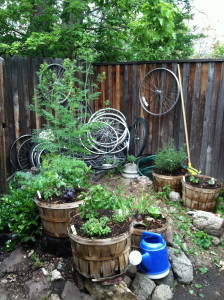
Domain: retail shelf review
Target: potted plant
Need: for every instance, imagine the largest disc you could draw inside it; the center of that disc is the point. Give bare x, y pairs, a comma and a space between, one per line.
147, 217
60, 181
200, 192
169, 170
101, 234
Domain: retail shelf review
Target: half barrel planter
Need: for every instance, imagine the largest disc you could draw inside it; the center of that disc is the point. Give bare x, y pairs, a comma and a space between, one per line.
136, 234
161, 181
100, 259
199, 198
55, 217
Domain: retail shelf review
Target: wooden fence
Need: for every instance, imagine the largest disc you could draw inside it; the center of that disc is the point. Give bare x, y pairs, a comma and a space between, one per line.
203, 88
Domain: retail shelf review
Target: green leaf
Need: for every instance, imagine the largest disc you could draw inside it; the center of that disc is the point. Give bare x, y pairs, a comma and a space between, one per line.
203, 270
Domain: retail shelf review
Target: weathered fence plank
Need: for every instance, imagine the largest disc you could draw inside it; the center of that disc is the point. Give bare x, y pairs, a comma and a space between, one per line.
3, 157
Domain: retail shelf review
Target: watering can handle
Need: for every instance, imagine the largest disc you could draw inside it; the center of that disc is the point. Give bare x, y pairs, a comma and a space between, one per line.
146, 234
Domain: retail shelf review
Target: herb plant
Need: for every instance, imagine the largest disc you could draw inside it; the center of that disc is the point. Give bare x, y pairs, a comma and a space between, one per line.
99, 199
131, 158
169, 159
96, 227
194, 179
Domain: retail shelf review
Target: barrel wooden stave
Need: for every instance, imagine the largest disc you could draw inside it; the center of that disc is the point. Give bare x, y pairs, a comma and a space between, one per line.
104, 261
55, 217
199, 198
161, 181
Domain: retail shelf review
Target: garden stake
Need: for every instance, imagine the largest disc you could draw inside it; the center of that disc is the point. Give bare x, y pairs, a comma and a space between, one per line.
189, 167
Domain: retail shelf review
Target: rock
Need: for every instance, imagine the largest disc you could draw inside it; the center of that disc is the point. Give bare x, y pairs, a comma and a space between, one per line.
79, 281
143, 181
55, 275
168, 280
118, 291
168, 234
9, 264
162, 292
60, 267
54, 297
142, 286
127, 280
174, 196
216, 241
44, 271
72, 292
208, 222
4, 281
113, 281
30, 253
131, 271
182, 266
37, 289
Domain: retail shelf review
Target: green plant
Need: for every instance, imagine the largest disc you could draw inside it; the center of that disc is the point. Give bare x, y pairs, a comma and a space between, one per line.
169, 159
203, 270
154, 211
194, 179
131, 158
202, 239
142, 204
99, 197
36, 260
164, 193
96, 227
19, 215
65, 124
211, 181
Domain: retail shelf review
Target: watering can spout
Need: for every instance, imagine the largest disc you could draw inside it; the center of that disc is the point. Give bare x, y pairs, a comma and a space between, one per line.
135, 258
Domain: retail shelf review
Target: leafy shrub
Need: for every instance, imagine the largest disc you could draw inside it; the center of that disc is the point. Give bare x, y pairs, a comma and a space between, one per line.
100, 197
169, 159
95, 227
202, 239
19, 215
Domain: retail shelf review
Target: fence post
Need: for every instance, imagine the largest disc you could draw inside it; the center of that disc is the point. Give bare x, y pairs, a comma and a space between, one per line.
3, 186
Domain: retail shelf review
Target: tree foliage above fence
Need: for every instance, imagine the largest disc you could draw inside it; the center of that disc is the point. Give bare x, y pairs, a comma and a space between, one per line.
115, 30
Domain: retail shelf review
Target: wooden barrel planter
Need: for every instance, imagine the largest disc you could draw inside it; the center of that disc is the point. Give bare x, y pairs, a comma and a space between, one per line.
136, 234
161, 181
101, 259
199, 198
55, 217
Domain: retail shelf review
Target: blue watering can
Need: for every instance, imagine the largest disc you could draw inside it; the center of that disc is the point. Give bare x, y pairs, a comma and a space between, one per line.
153, 258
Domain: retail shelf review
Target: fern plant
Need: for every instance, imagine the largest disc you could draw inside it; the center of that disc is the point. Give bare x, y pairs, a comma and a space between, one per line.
64, 120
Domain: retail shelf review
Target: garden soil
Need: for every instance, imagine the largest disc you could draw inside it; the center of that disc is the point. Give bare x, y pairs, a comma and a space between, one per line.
208, 285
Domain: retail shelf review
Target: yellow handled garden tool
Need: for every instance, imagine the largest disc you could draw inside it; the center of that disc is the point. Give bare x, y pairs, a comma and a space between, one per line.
189, 167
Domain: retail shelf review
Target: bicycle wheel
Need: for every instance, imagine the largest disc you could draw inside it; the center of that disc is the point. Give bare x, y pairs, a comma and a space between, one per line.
100, 139
14, 150
117, 122
159, 91
112, 111
23, 155
53, 76
138, 137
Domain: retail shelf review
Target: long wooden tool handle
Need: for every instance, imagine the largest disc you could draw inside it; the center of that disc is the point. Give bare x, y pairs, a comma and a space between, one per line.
184, 115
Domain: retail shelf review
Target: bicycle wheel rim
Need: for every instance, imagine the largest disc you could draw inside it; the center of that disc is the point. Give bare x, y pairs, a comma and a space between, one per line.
159, 91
